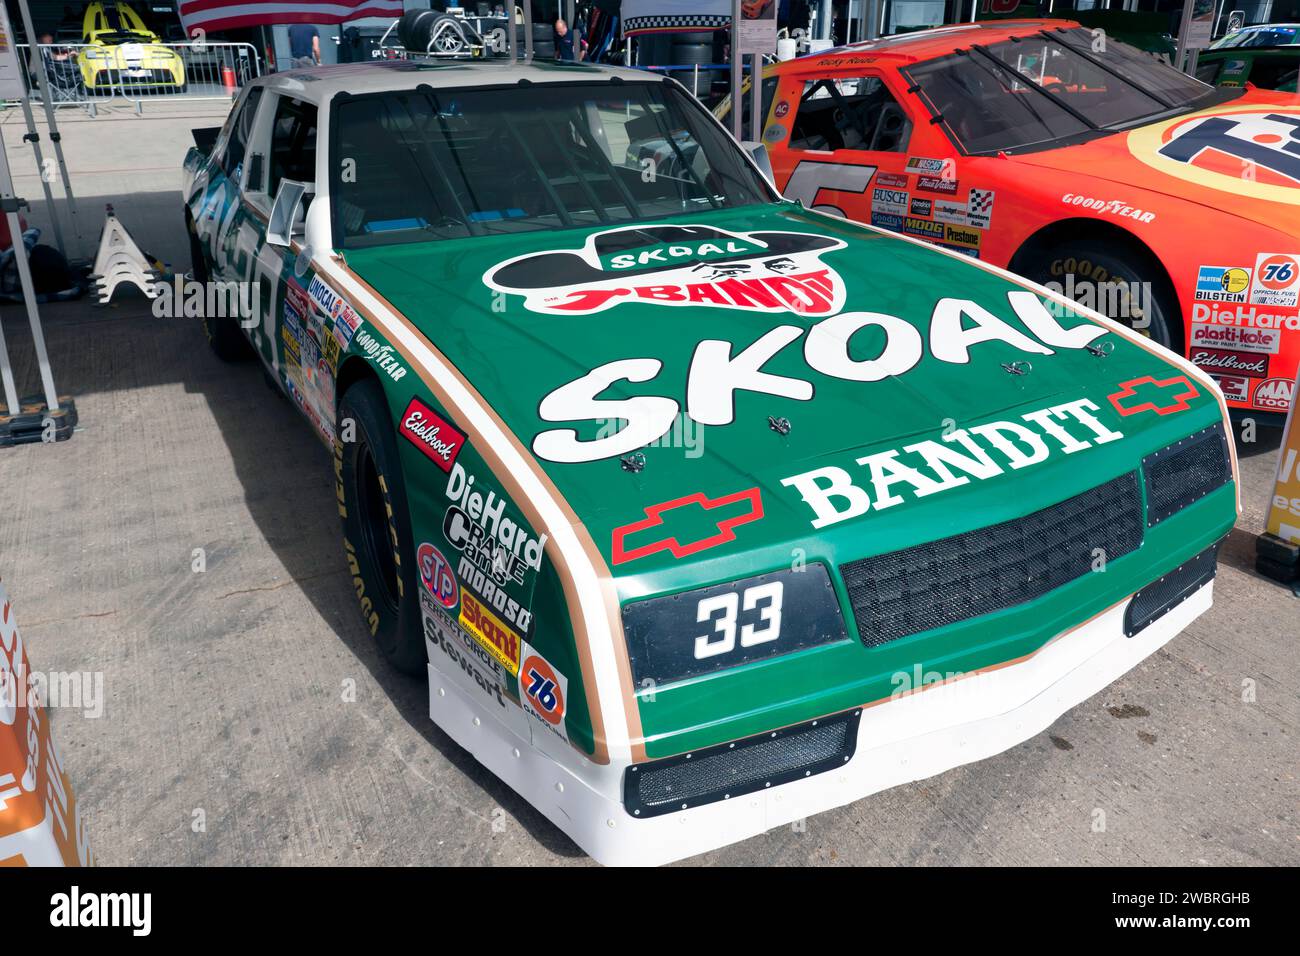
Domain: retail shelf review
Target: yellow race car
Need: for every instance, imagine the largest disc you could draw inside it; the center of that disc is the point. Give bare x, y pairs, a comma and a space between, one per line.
121, 52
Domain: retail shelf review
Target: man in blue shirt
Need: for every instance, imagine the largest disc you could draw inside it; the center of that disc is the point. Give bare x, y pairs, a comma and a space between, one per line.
304, 45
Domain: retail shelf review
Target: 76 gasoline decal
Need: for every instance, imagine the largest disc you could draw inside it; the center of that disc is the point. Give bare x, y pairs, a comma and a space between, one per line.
542, 690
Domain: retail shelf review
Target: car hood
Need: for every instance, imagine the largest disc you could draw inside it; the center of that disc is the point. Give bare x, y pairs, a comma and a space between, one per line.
658, 311
1235, 156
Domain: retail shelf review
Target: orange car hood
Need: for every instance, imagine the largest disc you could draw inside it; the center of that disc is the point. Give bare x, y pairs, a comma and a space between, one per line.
1242, 155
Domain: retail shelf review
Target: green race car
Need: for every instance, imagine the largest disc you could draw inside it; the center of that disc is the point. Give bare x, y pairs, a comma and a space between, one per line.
703, 512
1267, 55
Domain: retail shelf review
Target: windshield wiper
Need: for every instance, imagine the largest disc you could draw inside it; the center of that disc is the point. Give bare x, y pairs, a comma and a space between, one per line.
1158, 97
1030, 84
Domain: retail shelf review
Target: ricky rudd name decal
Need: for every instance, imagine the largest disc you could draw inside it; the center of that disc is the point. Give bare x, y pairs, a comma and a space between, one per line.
678, 265
719, 369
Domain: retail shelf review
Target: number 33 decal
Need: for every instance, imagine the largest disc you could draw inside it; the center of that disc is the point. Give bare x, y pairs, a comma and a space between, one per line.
723, 610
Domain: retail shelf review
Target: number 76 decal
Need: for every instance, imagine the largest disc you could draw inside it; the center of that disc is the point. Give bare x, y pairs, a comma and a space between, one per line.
724, 609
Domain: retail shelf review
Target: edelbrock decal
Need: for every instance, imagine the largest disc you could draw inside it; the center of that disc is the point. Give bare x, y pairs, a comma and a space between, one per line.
429, 432
720, 368
678, 266
834, 496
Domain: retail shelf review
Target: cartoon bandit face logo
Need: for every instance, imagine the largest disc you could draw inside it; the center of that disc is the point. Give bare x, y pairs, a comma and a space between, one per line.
1247, 151
678, 266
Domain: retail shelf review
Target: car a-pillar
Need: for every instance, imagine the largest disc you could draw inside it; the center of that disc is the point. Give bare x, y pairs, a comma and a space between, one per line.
1087, 258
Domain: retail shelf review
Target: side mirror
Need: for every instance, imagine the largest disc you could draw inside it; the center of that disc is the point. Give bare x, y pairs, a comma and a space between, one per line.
287, 216
758, 153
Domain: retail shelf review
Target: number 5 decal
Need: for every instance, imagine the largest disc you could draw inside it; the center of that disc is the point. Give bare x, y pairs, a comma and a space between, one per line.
766, 598
810, 178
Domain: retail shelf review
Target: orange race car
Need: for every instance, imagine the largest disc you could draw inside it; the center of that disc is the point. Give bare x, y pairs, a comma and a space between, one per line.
1072, 159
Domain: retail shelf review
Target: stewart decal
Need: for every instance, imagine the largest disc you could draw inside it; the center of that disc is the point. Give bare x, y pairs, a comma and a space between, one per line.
678, 266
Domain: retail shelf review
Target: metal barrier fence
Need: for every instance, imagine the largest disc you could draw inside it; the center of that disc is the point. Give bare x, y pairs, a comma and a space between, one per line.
83, 74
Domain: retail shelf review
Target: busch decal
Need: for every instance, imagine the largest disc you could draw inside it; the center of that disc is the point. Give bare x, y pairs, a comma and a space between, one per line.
678, 266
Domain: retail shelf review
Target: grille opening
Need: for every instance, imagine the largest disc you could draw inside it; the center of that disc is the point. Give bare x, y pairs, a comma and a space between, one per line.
741, 767
1164, 594
932, 585
1185, 471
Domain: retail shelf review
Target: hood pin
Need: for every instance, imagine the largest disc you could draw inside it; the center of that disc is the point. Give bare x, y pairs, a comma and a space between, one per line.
1102, 350
779, 425
634, 462
1017, 368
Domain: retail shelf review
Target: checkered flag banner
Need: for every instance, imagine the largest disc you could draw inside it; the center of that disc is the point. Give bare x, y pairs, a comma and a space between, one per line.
674, 16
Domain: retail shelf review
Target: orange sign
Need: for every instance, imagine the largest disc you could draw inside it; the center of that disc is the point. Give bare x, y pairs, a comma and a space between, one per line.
1284, 509
39, 821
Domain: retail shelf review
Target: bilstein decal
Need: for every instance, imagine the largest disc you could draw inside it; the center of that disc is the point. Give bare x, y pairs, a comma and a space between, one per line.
678, 266
720, 368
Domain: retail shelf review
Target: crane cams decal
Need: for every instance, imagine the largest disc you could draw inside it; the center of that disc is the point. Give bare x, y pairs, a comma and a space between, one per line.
678, 266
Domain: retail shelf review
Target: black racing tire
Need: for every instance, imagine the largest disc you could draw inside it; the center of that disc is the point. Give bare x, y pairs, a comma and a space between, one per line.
377, 527
225, 338
1081, 263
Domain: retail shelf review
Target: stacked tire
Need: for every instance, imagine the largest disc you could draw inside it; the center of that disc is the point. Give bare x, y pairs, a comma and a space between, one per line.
689, 50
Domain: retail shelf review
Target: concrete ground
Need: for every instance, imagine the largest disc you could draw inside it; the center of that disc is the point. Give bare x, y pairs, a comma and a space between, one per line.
248, 719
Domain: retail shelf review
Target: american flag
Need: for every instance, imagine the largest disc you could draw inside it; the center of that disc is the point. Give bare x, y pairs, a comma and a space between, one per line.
212, 15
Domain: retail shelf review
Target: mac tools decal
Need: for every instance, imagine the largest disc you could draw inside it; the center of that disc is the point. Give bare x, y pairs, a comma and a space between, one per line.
678, 265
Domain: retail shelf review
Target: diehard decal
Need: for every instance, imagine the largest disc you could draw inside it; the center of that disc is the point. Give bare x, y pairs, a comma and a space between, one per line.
678, 266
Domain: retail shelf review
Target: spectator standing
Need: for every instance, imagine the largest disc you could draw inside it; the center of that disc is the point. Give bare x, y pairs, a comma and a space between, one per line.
304, 45
569, 44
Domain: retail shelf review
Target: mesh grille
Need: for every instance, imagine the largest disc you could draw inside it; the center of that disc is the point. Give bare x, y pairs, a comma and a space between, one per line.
1185, 471
942, 582
1160, 597
730, 770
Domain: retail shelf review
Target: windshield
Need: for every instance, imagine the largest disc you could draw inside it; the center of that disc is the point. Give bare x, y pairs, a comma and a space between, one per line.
434, 164
1276, 35
1035, 91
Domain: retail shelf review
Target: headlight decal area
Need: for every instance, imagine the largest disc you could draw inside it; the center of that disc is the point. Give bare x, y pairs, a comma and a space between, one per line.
685, 635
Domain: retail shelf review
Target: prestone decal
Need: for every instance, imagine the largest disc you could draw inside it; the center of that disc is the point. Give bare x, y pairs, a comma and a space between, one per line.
720, 368
678, 266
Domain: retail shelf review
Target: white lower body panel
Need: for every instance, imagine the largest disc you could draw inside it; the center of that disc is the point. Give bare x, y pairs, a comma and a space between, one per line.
945, 725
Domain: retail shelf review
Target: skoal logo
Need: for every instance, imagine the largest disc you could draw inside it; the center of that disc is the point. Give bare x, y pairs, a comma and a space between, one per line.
678, 265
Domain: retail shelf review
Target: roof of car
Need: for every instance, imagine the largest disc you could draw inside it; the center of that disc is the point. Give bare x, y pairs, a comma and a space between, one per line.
321, 83
927, 44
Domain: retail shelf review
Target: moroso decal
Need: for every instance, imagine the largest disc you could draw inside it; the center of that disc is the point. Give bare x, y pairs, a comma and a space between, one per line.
495, 638
980, 452
678, 266
429, 432
436, 573
655, 532
1214, 148
543, 691
1146, 394
720, 368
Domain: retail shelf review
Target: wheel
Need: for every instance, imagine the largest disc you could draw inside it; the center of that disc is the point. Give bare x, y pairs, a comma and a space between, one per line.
1124, 283
224, 335
377, 528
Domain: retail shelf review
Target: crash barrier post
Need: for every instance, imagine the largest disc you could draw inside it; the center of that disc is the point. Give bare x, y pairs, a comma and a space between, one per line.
49, 418
40, 822
1277, 550
84, 74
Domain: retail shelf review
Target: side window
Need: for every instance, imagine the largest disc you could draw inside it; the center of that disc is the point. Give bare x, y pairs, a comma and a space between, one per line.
293, 143
232, 162
849, 113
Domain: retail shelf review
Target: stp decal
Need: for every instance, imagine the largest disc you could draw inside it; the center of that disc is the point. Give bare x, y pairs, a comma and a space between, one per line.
543, 691
1147, 394
1217, 147
702, 522
429, 432
436, 573
678, 266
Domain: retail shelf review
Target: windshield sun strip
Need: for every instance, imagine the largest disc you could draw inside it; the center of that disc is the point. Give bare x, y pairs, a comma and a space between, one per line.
1029, 83
1097, 62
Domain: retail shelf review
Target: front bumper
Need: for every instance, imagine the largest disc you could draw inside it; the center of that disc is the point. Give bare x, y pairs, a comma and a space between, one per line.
945, 725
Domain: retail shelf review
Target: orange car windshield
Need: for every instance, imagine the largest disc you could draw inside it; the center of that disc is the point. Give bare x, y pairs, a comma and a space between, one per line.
1038, 90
